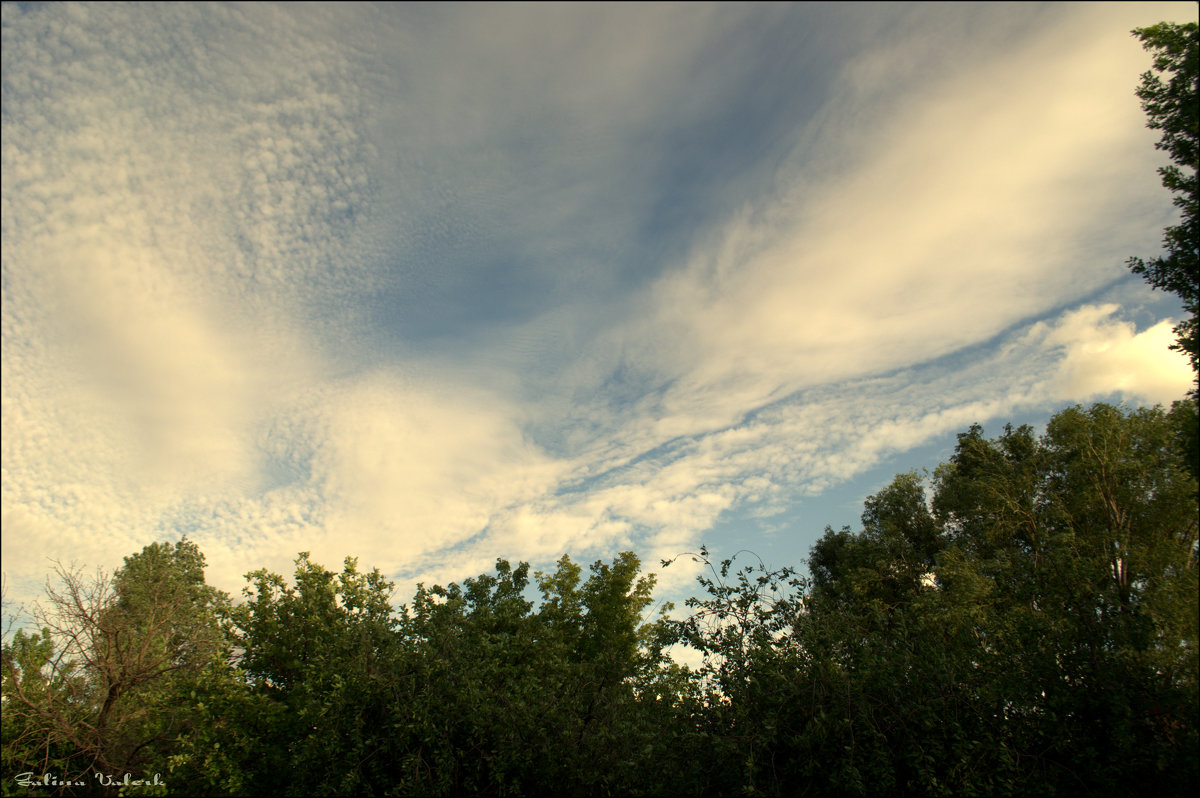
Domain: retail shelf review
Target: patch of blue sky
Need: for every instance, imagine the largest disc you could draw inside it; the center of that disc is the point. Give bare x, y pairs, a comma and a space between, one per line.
466, 304
775, 72
529, 212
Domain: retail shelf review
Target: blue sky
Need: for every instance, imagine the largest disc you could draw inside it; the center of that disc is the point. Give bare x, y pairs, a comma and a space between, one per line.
435, 284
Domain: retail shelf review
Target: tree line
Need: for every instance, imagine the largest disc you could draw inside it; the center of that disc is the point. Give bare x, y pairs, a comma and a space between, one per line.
1021, 620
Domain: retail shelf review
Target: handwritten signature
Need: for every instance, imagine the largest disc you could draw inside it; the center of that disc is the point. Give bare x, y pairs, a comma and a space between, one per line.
105, 780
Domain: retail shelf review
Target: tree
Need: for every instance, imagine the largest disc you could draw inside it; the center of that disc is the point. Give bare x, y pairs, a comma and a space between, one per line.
321, 665
1084, 545
570, 698
468, 689
1031, 629
610, 659
103, 687
1173, 106
752, 694
889, 560
39, 720
478, 689
905, 699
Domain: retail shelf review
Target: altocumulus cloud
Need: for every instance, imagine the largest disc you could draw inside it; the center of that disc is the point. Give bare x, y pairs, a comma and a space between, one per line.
433, 285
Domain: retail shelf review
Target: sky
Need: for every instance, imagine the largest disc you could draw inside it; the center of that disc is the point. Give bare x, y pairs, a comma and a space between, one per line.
434, 284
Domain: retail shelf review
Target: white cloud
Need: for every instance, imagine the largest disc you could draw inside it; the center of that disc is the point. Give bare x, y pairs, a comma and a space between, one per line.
971, 207
151, 295
1101, 355
416, 470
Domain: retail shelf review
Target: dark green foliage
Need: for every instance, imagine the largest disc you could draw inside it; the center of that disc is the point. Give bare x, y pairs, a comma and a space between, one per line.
319, 666
468, 690
750, 696
889, 559
506, 700
37, 726
1173, 107
1032, 629
1089, 545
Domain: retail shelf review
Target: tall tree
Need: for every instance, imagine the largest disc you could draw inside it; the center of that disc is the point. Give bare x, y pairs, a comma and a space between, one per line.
571, 698
320, 660
1085, 540
1173, 107
1032, 629
890, 558
105, 687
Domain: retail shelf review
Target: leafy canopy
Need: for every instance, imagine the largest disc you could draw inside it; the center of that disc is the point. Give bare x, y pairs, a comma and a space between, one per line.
1171, 101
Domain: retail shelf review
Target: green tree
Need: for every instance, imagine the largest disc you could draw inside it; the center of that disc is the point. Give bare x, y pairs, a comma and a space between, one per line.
751, 692
904, 702
320, 664
468, 689
890, 559
104, 687
1031, 629
471, 698
1173, 107
570, 698
1085, 541
38, 723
